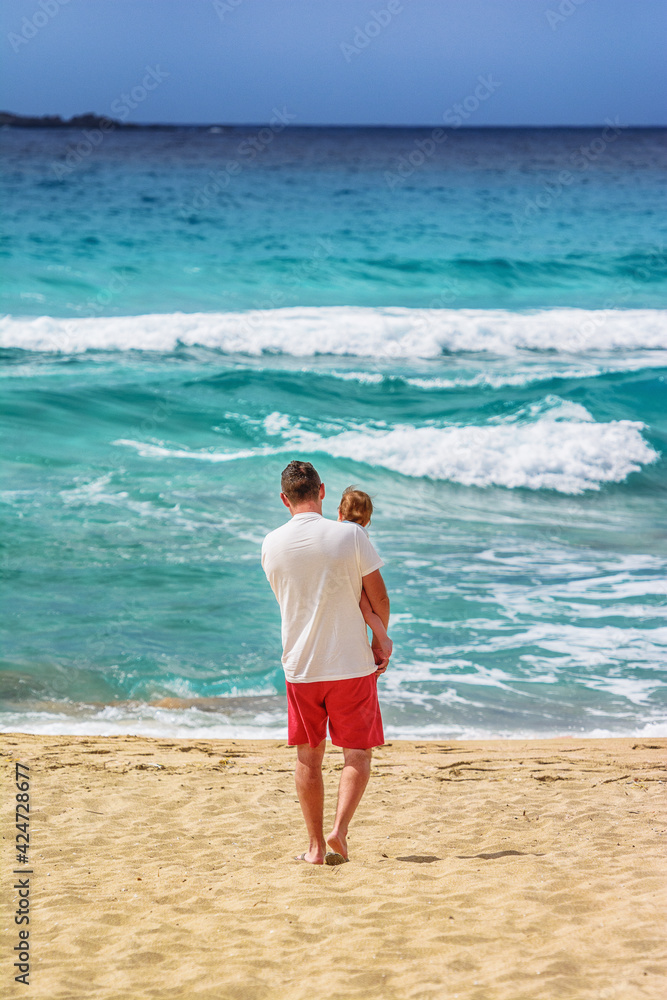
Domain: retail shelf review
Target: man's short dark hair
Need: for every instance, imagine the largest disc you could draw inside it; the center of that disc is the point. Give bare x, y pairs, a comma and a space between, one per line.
300, 482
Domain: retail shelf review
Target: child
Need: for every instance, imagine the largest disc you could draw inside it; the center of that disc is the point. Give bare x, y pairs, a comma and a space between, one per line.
357, 506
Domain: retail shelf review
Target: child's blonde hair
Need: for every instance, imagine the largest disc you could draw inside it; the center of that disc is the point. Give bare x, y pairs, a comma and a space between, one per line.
355, 505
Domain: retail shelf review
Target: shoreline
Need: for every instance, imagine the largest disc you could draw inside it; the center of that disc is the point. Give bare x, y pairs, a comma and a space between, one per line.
504, 869
193, 719
247, 731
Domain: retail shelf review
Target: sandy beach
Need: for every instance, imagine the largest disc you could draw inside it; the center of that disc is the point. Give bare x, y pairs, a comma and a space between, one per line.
511, 870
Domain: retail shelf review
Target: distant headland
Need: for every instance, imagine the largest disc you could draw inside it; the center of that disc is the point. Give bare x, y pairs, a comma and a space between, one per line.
105, 123
87, 120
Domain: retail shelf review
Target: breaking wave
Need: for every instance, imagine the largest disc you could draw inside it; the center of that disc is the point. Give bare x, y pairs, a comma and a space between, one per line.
359, 331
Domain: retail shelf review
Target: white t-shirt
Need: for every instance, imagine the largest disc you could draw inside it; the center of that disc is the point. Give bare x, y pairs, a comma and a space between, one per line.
315, 566
365, 530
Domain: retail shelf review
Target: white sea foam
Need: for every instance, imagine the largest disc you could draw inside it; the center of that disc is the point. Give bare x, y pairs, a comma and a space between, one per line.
144, 721
174, 724
497, 376
564, 449
366, 332
569, 457
147, 450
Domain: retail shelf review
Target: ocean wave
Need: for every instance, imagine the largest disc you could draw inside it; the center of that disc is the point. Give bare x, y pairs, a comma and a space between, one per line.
564, 450
570, 457
547, 372
382, 333
76, 719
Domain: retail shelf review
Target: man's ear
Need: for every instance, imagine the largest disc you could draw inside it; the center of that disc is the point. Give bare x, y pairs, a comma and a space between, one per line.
285, 501
321, 491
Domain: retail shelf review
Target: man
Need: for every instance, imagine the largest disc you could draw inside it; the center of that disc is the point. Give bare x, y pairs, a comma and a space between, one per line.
317, 568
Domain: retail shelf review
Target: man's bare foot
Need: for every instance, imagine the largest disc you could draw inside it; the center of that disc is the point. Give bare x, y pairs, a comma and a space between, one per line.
337, 841
315, 857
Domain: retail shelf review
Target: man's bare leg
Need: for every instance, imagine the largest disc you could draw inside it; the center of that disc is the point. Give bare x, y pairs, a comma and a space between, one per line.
310, 789
353, 781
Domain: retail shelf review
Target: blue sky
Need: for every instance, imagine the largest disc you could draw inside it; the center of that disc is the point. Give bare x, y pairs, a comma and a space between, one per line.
392, 62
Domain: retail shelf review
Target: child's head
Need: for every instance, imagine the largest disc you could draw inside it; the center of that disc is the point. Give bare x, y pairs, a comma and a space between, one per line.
355, 505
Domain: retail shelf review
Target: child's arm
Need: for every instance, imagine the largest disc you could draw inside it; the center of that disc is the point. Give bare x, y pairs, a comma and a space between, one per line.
381, 639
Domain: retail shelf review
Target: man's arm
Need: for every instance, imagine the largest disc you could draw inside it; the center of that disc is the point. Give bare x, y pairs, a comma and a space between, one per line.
376, 592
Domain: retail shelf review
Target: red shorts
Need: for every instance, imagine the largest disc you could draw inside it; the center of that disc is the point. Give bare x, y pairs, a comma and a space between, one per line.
350, 705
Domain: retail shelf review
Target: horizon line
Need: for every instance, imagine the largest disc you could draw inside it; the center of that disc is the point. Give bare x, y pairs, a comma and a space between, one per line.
322, 125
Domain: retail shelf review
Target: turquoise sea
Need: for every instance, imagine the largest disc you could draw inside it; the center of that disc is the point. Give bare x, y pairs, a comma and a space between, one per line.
475, 333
